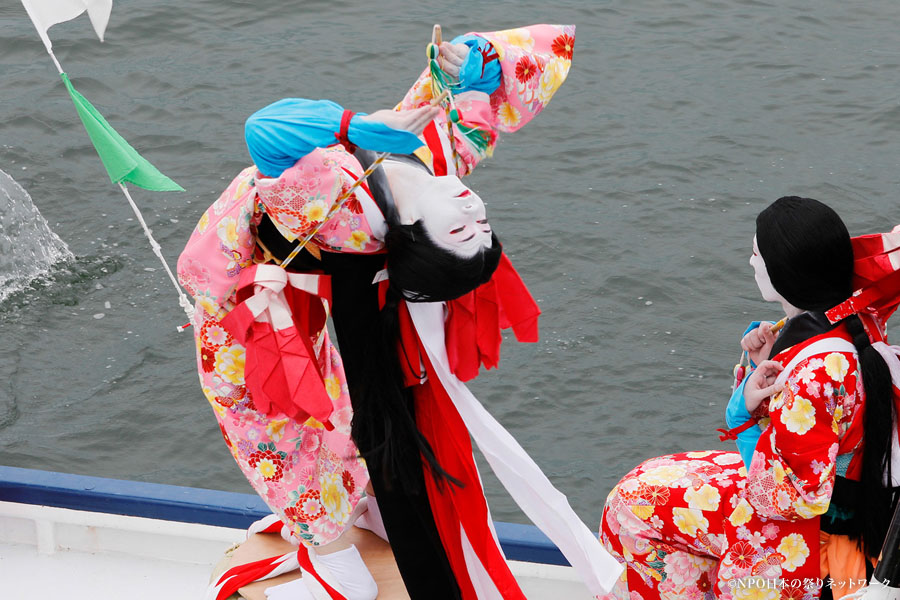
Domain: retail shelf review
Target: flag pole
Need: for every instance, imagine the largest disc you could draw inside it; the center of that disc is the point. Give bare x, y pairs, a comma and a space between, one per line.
183, 300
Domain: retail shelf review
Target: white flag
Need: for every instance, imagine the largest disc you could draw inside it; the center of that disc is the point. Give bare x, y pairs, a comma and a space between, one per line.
46, 13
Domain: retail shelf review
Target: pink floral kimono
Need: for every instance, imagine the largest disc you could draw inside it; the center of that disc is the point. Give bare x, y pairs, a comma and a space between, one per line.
309, 472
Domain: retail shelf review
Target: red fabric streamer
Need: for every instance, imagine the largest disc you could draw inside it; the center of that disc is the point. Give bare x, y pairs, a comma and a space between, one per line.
732, 434
306, 565
433, 141
475, 320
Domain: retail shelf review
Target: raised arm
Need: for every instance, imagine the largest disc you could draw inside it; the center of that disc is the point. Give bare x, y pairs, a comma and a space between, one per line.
284, 132
505, 79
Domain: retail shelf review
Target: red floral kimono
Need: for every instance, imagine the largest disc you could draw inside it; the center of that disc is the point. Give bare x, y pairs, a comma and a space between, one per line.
700, 525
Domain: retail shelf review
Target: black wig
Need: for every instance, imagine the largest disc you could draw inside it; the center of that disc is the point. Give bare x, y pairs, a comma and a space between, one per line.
384, 424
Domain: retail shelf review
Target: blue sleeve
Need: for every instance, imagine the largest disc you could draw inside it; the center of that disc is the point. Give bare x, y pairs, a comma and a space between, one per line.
475, 74
284, 132
736, 415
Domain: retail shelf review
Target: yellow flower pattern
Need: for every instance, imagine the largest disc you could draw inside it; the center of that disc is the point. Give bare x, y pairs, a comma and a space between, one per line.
689, 521
836, 366
800, 416
664, 475
705, 498
335, 498
230, 364
794, 550
333, 387
756, 526
509, 114
741, 514
357, 240
554, 75
756, 588
228, 232
314, 211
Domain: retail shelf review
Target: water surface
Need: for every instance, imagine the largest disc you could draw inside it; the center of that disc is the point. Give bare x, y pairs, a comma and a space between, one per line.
628, 206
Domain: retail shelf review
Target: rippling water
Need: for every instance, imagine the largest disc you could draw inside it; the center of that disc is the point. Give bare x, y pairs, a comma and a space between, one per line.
627, 206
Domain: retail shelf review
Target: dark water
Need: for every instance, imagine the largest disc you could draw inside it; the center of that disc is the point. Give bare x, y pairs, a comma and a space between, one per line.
628, 207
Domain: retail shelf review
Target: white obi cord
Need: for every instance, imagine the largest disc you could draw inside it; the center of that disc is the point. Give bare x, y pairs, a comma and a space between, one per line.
523, 479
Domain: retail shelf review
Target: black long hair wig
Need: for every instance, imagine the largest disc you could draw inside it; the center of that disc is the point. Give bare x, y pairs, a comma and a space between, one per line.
384, 424
809, 258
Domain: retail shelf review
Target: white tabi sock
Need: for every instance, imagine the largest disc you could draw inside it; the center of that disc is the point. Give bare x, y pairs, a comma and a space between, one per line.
292, 590
371, 519
351, 572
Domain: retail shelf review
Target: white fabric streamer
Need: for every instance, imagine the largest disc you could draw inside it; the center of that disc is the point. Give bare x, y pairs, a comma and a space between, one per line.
522, 478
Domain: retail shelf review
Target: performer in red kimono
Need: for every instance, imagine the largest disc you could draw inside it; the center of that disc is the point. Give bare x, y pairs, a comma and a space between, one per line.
807, 507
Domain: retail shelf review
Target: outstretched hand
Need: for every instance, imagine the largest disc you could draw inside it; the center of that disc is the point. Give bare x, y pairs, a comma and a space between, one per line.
758, 342
413, 121
454, 56
762, 384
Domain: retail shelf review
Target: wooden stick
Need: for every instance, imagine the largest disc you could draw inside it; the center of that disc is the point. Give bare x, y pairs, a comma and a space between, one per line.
444, 95
436, 35
336, 207
436, 40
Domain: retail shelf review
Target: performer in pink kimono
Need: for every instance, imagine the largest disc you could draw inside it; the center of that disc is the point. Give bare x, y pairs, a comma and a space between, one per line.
807, 501
286, 400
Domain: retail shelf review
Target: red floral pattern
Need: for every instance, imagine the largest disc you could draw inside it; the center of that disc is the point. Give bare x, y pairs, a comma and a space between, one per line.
273, 462
720, 526
207, 359
563, 46
742, 554
525, 69
347, 480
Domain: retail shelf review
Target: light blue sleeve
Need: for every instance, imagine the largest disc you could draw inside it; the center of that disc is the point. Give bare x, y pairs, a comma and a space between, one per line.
475, 74
736, 414
284, 132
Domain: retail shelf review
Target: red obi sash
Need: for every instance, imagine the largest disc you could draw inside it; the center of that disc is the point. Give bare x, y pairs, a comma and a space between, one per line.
276, 314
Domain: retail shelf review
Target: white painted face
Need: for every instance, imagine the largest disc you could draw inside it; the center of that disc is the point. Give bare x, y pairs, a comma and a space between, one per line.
453, 215
762, 276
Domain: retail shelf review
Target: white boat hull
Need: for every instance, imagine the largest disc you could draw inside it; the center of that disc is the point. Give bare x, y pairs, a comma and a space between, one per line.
49, 552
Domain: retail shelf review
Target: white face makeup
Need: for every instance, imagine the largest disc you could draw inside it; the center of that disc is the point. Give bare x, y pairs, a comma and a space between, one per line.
762, 276
453, 215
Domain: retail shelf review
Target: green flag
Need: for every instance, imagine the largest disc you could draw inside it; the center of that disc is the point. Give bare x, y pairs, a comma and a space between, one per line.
122, 162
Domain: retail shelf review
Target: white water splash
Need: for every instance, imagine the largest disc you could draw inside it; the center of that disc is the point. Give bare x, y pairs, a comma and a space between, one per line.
28, 247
